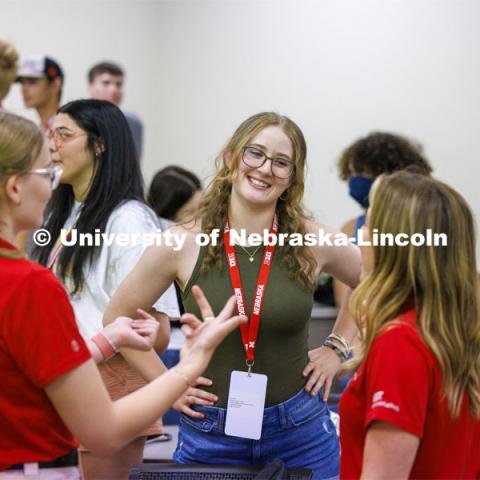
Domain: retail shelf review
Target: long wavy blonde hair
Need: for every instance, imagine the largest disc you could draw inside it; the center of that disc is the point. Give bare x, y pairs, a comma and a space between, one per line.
290, 212
441, 279
20, 144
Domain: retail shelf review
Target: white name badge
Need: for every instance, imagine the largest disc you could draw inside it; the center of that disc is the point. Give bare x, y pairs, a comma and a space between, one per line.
246, 402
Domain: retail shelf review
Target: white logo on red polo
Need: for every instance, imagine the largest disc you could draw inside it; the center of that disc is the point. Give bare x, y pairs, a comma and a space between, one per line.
377, 396
379, 402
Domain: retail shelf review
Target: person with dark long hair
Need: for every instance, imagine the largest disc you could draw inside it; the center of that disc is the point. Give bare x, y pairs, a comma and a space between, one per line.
412, 410
258, 187
100, 192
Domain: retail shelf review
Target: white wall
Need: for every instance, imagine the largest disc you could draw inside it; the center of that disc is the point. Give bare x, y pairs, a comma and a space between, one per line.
340, 69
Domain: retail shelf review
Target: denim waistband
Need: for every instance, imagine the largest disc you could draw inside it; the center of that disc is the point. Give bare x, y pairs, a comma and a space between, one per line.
295, 410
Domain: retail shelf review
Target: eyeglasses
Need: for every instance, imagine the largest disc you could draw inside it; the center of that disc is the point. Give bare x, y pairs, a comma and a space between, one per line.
62, 135
255, 158
54, 172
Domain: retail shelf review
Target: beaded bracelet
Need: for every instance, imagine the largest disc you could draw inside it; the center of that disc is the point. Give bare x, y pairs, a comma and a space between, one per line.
333, 346
341, 339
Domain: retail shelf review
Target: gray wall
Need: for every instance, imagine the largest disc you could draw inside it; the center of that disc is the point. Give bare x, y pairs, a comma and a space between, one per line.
197, 68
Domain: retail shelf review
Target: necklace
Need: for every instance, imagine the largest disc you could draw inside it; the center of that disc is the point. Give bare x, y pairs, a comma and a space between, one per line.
250, 255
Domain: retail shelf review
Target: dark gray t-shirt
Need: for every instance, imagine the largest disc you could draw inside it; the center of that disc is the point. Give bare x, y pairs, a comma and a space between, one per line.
136, 127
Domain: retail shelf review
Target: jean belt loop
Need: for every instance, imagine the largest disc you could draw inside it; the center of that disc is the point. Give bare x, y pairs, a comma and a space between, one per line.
221, 420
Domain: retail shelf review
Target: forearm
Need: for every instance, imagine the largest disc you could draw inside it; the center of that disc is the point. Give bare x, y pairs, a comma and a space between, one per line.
123, 332
148, 364
81, 399
163, 335
95, 352
103, 345
345, 324
339, 289
104, 426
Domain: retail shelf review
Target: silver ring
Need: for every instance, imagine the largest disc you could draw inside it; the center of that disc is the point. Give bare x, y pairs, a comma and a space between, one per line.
208, 318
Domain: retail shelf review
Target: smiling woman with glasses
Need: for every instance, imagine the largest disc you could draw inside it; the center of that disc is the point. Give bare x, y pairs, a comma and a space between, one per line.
255, 158
258, 186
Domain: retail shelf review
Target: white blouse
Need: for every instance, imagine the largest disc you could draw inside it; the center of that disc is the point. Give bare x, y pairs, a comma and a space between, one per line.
113, 264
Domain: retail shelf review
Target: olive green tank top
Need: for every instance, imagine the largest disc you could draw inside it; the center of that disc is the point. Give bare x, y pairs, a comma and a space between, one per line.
282, 343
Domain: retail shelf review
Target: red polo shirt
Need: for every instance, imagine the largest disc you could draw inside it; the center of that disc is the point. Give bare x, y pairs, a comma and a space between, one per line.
400, 383
39, 342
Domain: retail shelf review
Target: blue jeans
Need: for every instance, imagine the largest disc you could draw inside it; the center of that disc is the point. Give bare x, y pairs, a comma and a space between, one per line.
170, 358
298, 431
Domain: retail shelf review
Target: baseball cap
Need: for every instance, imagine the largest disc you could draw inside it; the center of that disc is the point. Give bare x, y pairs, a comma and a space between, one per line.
39, 66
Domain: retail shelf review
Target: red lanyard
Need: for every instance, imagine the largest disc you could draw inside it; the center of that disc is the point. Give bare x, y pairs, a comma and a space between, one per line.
249, 330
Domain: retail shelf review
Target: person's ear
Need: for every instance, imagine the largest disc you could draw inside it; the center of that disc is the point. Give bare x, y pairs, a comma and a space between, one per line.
99, 148
57, 85
13, 189
227, 158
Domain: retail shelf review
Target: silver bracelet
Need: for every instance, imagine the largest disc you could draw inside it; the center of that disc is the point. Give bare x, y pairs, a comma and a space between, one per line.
333, 346
342, 340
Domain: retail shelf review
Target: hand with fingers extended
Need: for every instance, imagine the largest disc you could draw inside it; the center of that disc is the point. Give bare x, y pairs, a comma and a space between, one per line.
322, 367
139, 333
195, 396
202, 337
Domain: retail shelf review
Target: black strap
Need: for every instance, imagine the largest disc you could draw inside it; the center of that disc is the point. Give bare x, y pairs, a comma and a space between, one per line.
273, 471
68, 460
